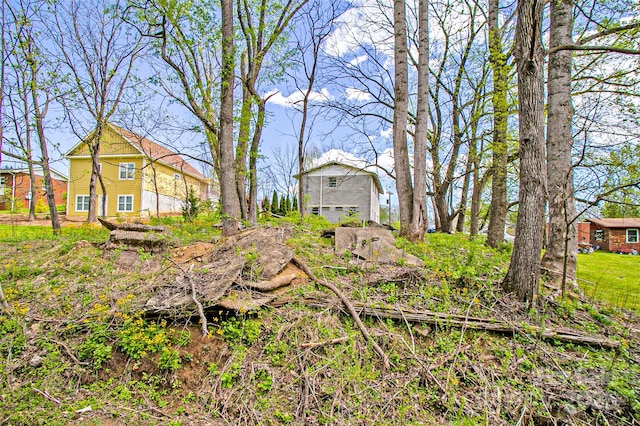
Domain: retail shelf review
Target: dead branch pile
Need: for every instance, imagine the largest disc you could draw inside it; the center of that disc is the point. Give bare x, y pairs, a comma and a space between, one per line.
253, 269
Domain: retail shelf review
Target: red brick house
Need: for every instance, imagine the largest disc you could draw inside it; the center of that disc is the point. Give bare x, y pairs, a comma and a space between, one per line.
615, 235
15, 187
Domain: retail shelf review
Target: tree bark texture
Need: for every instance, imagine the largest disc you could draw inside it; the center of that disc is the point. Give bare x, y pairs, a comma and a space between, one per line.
524, 270
400, 114
498, 62
230, 202
419, 203
562, 209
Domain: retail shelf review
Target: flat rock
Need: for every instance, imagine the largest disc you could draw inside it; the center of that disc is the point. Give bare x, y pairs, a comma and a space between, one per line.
372, 244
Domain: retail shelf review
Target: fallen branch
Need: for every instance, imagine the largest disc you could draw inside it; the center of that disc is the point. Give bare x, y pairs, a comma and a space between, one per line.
347, 303
68, 351
272, 284
564, 334
203, 318
454, 320
111, 226
46, 395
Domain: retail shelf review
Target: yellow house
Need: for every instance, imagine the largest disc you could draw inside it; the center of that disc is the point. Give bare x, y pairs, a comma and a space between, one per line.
141, 177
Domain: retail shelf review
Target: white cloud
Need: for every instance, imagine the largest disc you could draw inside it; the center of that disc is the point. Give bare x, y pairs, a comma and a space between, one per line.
340, 156
367, 22
386, 133
294, 99
385, 160
357, 95
358, 60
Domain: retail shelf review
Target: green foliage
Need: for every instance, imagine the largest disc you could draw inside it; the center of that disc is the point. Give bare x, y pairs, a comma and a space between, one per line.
276, 352
266, 205
191, 205
456, 257
41, 206
169, 359
623, 175
95, 348
138, 337
240, 330
275, 204
12, 337
263, 380
283, 207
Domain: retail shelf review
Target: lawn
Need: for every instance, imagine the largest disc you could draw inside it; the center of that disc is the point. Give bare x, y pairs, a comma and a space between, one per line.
13, 233
610, 277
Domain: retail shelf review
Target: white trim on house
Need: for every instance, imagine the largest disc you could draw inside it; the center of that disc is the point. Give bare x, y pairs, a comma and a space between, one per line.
125, 210
126, 171
636, 238
86, 200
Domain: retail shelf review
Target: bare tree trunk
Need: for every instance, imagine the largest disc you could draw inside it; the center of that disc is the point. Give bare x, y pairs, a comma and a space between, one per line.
46, 171
230, 202
524, 271
242, 148
33, 190
562, 210
400, 114
39, 112
462, 208
92, 216
253, 164
474, 211
418, 223
498, 62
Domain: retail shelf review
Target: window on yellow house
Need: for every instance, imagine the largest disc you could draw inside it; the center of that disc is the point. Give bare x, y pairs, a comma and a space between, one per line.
125, 203
127, 171
82, 203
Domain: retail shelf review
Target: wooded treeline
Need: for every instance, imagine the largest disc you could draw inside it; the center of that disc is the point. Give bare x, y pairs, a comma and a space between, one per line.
487, 122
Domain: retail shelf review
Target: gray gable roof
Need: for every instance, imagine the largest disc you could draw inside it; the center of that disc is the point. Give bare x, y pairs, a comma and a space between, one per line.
375, 177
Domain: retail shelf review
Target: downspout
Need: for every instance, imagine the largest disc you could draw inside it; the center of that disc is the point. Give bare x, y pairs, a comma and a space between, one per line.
142, 184
13, 190
320, 208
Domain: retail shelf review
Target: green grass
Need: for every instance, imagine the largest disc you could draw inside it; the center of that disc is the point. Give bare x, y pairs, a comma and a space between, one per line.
14, 233
610, 277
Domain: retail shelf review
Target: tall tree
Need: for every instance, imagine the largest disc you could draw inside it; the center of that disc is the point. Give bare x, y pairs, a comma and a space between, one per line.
460, 61
35, 78
417, 227
317, 23
499, 61
98, 49
230, 201
262, 24
560, 256
524, 270
400, 116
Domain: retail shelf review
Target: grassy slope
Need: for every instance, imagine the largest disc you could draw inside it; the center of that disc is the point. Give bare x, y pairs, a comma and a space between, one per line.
611, 277
74, 335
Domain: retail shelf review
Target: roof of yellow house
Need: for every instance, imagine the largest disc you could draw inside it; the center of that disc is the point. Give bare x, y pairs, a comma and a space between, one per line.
157, 152
153, 151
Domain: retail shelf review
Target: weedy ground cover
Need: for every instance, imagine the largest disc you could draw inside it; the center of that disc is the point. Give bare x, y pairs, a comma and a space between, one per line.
75, 338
